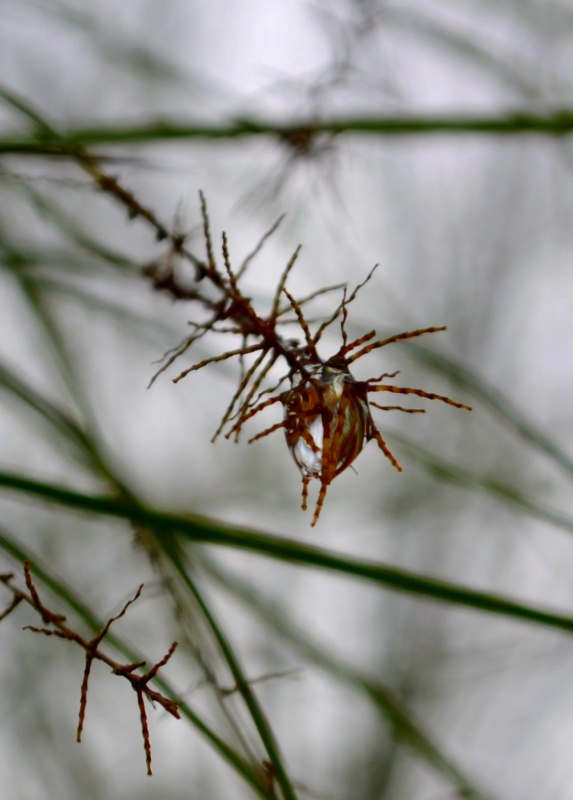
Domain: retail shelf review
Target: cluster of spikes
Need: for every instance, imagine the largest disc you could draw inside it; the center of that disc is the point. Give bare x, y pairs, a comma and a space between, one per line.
327, 413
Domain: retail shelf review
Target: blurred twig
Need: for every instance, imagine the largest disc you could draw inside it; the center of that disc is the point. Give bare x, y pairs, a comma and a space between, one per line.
68, 144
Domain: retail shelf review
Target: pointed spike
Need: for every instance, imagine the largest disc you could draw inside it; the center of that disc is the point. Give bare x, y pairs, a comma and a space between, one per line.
375, 434
418, 393
399, 337
305, 482
319, 502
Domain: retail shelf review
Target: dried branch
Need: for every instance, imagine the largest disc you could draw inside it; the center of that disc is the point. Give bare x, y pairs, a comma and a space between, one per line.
327, 417
61, 630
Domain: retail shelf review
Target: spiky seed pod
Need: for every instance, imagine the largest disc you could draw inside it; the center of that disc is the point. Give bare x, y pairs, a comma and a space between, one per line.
327, 422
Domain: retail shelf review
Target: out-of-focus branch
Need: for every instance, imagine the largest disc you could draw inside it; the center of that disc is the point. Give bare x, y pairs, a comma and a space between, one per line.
557, 122
210, 531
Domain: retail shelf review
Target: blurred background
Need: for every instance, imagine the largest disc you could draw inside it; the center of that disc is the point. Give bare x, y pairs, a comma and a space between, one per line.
370, 693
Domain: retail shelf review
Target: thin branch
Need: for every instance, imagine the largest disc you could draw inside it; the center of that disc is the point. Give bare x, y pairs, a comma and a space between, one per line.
258, 247
201, 529
61, 630
557, 122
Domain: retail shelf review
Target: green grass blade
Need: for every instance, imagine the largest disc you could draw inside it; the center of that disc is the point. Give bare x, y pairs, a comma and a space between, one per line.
452, 472
69, 143
203, 529
24, 108
405, 727
172, 549
60, 420
72, 230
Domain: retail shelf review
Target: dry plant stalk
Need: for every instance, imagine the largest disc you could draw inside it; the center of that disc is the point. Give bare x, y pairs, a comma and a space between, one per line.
327, 416
58, 628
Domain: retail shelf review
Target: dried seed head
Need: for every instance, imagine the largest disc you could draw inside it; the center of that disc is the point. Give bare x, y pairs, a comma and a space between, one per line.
327, 416
327, 423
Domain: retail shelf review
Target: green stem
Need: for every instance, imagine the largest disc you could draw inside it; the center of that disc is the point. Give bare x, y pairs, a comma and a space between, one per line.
203, 529
405, 727
558, 122
242, 684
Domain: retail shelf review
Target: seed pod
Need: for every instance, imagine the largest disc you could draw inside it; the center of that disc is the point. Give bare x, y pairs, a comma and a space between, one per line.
327, 422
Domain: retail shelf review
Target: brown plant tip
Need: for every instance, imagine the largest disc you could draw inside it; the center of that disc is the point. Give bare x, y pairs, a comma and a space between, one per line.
16, 600
57, 627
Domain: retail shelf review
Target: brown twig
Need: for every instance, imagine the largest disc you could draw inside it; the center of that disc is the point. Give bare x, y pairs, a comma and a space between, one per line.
334, 419
61, 630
